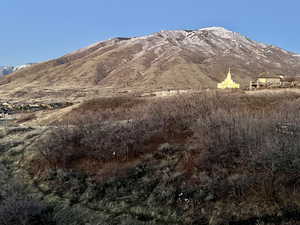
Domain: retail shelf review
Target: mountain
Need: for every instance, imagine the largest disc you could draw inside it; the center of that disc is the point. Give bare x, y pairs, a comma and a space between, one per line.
5, 70
16, 68
180, 59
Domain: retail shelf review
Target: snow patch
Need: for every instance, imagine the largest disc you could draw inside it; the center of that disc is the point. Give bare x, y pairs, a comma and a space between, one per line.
220, 31
22, 66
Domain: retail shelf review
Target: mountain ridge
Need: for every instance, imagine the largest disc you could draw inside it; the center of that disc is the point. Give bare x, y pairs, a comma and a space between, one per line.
178, 59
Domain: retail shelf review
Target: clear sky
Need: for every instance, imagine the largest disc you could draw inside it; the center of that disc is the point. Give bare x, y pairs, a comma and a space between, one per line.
39, 30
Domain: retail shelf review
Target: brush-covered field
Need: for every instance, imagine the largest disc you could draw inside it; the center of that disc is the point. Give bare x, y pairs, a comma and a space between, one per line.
203, 158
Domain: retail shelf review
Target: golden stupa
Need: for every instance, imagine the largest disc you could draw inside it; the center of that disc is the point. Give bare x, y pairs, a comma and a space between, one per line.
228, 82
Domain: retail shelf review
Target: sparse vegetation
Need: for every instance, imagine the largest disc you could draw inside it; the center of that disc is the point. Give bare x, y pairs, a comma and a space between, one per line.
19, 206
223, 128
192, 151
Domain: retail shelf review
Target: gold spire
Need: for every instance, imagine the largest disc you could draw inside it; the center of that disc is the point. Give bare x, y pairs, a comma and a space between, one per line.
229, 75
228, 82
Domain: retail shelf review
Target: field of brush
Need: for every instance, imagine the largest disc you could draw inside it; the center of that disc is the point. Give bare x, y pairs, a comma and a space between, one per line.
197, 158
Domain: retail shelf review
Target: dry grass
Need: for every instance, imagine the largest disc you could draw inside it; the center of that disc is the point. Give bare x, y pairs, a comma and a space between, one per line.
226, 133
106, 108
229, 147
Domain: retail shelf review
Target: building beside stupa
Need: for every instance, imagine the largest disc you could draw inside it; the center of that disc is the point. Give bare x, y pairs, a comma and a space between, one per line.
228, 82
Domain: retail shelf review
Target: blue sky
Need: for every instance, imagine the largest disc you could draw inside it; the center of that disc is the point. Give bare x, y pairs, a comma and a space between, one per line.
38, 30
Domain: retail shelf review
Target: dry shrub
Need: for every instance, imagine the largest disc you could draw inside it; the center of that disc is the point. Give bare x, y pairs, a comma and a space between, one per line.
26, 210
225, 136
88, 135
107, 108
103, 141
260, 149
268, 101
248, 148
226, 128
179, 113
18, 206
233, 137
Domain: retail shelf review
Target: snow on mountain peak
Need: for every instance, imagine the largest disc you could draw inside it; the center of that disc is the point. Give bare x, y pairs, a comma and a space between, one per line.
221, 32
22, 66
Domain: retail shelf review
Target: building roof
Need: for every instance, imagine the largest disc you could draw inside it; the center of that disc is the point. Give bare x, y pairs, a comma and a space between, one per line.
291, 78
273, 77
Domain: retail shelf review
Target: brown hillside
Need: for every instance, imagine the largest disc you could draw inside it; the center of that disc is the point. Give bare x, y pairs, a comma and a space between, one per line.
165, 60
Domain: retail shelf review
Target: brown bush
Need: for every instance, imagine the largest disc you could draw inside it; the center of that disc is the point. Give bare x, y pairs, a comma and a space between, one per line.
91, 138
238, 149
107, 108
18, 206
226, 130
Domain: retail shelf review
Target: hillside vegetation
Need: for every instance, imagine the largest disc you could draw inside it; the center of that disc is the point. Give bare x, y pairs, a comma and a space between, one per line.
210, 158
